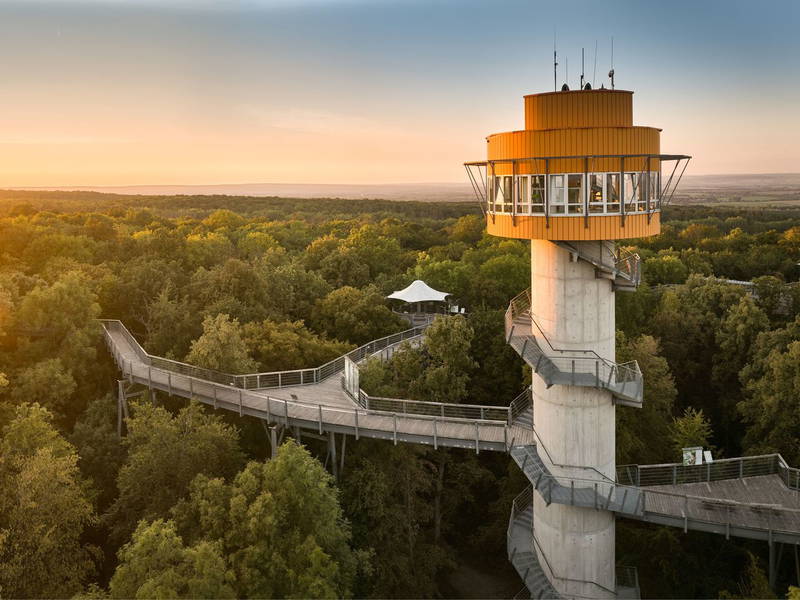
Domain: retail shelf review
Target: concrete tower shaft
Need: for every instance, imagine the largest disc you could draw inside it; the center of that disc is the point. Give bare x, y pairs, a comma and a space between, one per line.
574, 310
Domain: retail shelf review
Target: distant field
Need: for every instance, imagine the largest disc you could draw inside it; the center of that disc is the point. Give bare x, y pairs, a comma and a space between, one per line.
758, 191
780, 190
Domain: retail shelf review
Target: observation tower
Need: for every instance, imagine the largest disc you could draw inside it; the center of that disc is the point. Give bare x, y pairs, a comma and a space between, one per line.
577, 179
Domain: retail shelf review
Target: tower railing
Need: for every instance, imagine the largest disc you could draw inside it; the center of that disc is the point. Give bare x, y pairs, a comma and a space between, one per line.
652, 189
559, 366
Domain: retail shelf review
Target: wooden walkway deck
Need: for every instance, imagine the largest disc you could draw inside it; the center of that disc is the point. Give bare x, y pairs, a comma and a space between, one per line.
758, 507
321, 407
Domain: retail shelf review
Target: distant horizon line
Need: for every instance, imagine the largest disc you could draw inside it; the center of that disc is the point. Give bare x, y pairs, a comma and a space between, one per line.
89, 187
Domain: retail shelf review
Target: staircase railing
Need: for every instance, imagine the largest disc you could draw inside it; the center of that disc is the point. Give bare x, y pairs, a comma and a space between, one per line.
521, 503
628, 265
520, 404
567, 366
618, 261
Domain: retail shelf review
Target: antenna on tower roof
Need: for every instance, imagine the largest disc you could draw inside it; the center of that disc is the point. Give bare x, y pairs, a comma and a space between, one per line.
611, 72
566, 71
555, 63
582, 68
594, 72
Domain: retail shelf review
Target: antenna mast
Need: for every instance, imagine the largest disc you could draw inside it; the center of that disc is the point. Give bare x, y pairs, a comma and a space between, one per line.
555, 63
611, 72
582, 68
594, 72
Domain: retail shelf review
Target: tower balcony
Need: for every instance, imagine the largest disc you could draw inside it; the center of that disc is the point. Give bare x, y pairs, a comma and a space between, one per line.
569, 367
610, 196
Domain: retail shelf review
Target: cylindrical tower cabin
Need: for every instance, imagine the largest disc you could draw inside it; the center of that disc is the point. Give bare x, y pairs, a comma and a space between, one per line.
579, 177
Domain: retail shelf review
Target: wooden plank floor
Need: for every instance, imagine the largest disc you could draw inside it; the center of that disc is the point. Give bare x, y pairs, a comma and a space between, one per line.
756, 502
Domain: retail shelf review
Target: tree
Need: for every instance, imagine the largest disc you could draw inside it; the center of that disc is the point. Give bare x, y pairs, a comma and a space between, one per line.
157, 564
170, 324
499, 368
289, 345
736, 337
43, 510
60, 322
642, 434
354, 315
46, 383
280, 525
388, 495
771, 408
664, 269
221, 347
447, 370
100, 452
685, 323
689, 430
468, 229
164, 455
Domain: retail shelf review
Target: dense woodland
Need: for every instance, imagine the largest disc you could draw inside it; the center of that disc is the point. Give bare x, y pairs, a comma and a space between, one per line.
185, 504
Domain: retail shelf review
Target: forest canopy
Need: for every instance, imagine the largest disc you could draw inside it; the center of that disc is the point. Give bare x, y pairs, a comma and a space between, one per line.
185, 504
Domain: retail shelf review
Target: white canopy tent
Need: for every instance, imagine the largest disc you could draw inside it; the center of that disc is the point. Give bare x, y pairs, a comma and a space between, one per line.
419, 291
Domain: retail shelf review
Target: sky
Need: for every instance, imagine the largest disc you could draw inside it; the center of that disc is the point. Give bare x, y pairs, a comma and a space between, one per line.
135, 92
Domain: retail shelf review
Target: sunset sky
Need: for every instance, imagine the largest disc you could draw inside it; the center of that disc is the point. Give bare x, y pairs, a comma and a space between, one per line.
116, 92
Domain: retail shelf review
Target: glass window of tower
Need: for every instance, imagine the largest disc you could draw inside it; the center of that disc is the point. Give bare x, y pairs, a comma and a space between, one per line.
612, 192
557, 194
522, 196
596, 196
507, 193
575, 193
537, 193
631, 191
654, 199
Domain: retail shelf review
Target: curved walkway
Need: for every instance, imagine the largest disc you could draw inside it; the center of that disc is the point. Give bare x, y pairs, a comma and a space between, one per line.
323, 405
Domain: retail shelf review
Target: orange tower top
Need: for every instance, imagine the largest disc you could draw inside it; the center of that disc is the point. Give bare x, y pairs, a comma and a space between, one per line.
580, 170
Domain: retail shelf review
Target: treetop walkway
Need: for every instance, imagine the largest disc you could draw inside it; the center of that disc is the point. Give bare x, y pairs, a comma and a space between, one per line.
321, 403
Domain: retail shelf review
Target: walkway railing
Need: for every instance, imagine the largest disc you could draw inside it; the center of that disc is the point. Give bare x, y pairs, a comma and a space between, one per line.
272, 379
452, 430
506, 414
727, 517
718, 470
568, 367
440, 409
